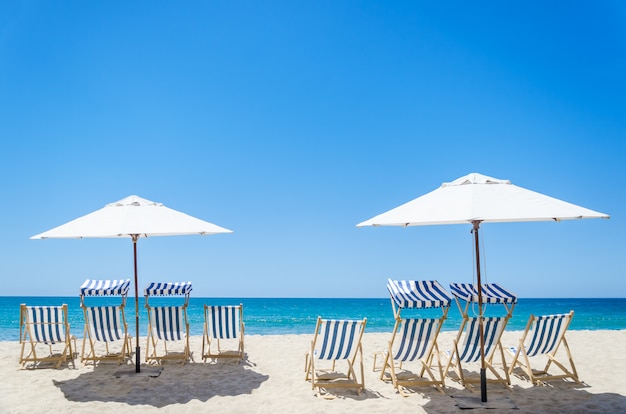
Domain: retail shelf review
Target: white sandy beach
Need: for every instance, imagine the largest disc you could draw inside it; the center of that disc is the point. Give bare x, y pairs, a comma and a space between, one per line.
271, 380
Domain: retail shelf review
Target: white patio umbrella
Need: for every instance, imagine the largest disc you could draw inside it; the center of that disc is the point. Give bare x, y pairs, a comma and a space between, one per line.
477, 199
132, 217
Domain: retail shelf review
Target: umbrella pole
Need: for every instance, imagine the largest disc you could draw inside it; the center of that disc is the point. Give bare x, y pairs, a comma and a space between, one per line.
483, 371
137, 348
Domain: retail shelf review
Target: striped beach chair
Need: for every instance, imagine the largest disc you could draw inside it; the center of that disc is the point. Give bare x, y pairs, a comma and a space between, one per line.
105, 324
413, 353
547, 333
334, 341
466, 348
168, 327
45, 336
223, 332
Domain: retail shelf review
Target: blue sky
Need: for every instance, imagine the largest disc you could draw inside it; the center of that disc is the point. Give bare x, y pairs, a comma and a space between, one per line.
291, 122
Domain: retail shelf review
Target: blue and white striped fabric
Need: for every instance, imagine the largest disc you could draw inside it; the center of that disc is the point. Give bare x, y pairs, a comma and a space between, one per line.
338, 339
168, 322
168, 288
105, 287
491, 293
547, 333
493, 328
222, 321
105, 323
46, 324
418, 294
416, 339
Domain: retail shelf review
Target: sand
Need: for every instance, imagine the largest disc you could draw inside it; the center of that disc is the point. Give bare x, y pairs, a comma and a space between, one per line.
271, 380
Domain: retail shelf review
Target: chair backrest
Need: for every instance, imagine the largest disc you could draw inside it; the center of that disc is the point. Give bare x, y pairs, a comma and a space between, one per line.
547, 333
416, 339
104, 288
491, 293
168, 323
492, 327
337, 339
46, 324
105, 323
168, 289
418, 294
223, 322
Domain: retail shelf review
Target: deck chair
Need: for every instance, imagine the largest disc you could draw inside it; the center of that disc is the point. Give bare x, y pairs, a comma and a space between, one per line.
168, 327
413, 349
466, 348
105, 324
45, 335
547, 333
223, 327
334, 341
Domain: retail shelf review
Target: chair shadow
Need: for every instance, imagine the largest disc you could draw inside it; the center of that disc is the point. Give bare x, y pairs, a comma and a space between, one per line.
176, 384
348, 394
33, 366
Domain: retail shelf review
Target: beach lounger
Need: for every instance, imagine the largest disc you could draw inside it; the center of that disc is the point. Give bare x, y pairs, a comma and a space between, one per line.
547, 333
223, 332
335, 341
105, 324
467, 350
467, 342
45, 335
409, 360
168, 327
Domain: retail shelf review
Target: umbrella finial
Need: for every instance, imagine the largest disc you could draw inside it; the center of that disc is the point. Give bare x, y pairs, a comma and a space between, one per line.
475, 178
133, 200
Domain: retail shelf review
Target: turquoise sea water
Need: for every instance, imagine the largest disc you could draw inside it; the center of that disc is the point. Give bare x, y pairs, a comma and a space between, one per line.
297, 316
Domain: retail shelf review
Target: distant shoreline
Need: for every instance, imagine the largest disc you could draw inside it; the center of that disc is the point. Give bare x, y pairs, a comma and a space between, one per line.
281, 316
306, 298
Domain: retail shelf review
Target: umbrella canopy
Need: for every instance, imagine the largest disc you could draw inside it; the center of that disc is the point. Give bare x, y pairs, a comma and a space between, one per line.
474, 199
132, 217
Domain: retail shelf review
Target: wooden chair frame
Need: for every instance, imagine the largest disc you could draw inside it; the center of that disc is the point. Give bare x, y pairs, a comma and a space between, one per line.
176, 333
492, 294
548, 349
105, 324
45, 327
178, 349
467, 340
413, 345
117, 344
327, 377
223, 331
413, 350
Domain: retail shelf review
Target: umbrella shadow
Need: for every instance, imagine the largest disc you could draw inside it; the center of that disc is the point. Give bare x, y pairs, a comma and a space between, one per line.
564, 396
553, 397
176, 384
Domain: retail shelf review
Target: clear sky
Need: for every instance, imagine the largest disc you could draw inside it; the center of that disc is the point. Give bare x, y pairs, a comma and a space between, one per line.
290, 122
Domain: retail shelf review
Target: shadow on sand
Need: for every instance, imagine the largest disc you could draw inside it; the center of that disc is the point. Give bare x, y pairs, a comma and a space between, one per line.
555, 397
176, 384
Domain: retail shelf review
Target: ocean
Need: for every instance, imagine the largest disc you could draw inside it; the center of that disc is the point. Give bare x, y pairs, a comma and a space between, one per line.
277, 316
